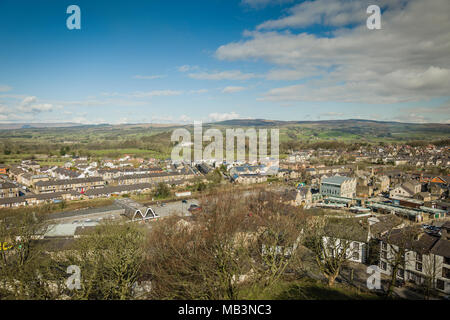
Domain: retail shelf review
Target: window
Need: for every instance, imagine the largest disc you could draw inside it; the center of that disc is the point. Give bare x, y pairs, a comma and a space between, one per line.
383, 265
401, 273
384, 245
356, 245
355, 255
447, 260
440, 284
418, 257
418, 266
446, 273
384, 254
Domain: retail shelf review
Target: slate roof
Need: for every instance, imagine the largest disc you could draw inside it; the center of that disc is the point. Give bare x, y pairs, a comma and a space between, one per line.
337, 180
442, 248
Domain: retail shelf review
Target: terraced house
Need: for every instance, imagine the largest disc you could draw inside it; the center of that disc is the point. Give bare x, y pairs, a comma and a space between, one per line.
8, 190
79, 185
338, 186
148, 178
424, 259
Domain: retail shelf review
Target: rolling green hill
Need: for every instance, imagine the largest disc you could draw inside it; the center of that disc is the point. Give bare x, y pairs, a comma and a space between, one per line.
153, 140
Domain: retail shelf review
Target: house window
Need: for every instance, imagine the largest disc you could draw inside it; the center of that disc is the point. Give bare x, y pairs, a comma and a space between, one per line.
355, 255
383, 265
440, 284
418, 257
356, 245
384, 245
447, 260
401, 273
418, 266
446, 273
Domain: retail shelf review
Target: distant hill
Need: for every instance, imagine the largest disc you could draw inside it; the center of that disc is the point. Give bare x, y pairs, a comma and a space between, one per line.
37, 125
263, 122
346, 130
351, 130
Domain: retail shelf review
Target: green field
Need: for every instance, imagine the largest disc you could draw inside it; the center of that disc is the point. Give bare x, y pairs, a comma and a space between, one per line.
47, 145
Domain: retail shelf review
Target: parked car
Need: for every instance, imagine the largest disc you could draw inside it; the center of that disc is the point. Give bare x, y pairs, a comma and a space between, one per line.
193, 208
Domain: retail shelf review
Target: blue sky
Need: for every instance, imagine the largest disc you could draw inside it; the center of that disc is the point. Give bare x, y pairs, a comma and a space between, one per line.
180, 61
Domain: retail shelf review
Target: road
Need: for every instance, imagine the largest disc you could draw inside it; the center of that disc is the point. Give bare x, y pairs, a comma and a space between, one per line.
175, 208
114, 212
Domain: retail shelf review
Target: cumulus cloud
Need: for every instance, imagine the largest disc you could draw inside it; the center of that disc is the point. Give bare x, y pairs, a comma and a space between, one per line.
30, 105
405, 61
186, 68
231, 89
156, 93
291, 74
442, 110
223, 75
324, 12
332, 115
199, 91
151, 77
223, 116
5, 88
185, 118
258, 4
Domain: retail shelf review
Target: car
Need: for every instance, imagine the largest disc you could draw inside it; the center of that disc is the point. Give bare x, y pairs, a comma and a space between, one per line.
163, 204
75, 221
88, 220
194, 208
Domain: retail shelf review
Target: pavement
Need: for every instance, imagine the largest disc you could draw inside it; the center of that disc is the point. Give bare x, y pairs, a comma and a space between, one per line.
359, 279
114, 212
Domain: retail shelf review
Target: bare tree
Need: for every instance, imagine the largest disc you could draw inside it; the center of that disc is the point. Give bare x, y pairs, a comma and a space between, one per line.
234, 242
26, 270
110, 259
330, 240
398, 242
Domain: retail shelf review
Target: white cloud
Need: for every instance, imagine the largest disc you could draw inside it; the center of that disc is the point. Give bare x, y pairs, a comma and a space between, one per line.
324, 12
223, 116
231, 89
185, 118
198, 91
405, 61
29, 105
223, 75
5, 88
332, 114
290, 74
148, 77
186, 68
258, 4
156, 93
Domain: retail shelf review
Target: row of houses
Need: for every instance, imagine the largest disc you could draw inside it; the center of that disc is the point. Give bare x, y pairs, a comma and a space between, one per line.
420, 258
79, 185
37, 199
8, 190
155, 177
